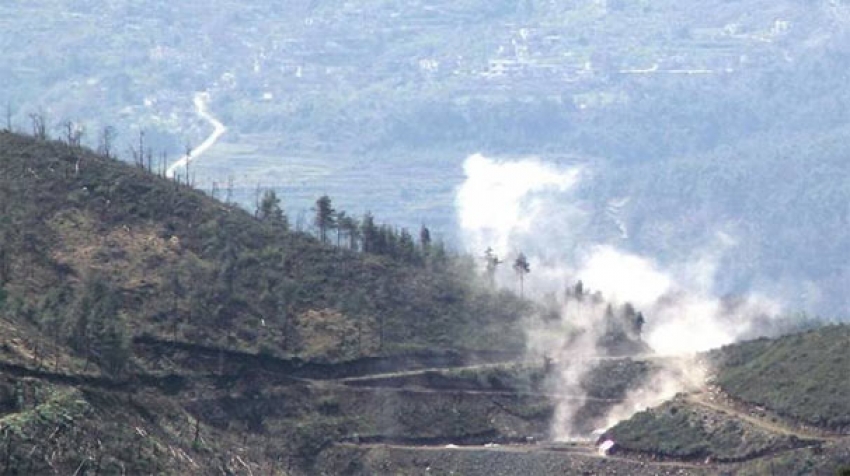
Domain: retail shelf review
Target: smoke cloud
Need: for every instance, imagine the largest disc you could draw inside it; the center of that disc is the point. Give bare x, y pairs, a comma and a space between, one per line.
500, 202
532, 207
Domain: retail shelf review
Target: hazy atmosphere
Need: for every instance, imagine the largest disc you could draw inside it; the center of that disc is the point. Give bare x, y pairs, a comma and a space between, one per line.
425, 237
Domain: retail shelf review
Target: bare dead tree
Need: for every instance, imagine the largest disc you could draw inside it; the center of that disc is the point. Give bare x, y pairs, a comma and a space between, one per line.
140, 157
74, 133
39, 125
139, 154
107, 138
163, 163
68, 128
188, 159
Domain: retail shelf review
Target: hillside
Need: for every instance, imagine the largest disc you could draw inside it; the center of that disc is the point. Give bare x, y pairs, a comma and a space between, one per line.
185, 267
149, 328
802, 377
781, 401
130, 298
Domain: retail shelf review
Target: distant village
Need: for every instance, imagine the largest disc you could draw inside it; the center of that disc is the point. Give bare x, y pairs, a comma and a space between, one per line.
560, 59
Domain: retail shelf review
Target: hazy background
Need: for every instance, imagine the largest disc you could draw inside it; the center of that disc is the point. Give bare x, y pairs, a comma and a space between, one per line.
712, 128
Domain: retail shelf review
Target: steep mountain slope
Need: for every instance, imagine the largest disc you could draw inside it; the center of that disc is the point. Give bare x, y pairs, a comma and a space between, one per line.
148, 328
186, 267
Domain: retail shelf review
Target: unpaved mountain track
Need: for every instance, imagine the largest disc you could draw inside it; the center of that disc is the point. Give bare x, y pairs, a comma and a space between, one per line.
585, 451
417, 372
493, 365
497, 393
714, 400
208, 359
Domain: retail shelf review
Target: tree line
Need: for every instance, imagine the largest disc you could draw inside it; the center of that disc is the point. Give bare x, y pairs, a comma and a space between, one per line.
360, 234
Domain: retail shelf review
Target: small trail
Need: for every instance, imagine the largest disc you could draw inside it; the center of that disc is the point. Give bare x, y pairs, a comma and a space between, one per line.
219, 129
460, 391
496, 365
572, 451
418, 372
705, 399
586, 450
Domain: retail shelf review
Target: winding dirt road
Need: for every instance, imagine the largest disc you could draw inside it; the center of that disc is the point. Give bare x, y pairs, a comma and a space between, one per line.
713, 400
219, 129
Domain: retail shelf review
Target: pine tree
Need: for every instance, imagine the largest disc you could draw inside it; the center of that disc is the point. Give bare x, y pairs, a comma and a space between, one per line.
270, 211
95, 312
325, 217
369, 233
406, 247
522, 268
637, 328
351, 229
425, 240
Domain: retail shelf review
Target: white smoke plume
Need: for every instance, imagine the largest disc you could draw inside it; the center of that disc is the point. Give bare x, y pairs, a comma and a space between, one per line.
500, 202
532, 207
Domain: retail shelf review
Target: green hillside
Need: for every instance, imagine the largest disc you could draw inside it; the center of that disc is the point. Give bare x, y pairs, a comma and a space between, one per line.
803, 376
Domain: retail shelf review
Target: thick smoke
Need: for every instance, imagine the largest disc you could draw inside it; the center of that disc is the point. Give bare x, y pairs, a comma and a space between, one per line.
529, 206
500, 202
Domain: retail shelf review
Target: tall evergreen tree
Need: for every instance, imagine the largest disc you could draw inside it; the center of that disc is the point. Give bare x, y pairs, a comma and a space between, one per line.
521, 267
369, 233
325, 217
406, 247
425, 240
270, 211
95, 314
351, 229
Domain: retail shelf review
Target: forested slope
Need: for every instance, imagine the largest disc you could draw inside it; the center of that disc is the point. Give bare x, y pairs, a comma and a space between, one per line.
83, 232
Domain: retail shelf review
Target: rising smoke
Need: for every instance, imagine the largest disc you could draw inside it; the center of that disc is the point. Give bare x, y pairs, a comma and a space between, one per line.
532, 207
